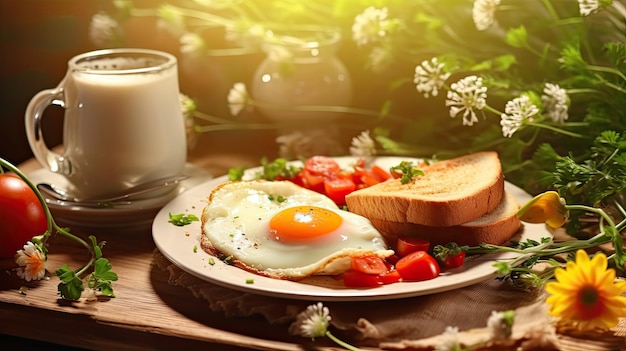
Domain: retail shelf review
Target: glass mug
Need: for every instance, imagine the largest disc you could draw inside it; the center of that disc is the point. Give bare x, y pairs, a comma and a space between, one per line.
123, 123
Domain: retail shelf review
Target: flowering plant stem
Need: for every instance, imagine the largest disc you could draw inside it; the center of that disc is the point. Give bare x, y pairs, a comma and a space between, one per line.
94, 249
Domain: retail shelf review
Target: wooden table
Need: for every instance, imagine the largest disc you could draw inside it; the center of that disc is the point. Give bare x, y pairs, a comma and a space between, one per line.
147, 312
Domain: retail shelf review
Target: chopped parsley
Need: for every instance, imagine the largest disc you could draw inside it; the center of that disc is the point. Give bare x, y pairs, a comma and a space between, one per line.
182, 219
408, 170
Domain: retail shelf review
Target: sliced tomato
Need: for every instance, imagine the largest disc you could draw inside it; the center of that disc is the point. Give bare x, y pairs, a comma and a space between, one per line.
406, 245
380, 173
454, 261
369, 264
321, 165
390, 277
356, 279
312, 181
418, 266
338, 188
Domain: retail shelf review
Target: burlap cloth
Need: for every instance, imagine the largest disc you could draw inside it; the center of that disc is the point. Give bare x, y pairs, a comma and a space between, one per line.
415, 323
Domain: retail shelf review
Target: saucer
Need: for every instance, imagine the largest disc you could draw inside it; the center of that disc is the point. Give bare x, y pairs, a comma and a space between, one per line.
137, 214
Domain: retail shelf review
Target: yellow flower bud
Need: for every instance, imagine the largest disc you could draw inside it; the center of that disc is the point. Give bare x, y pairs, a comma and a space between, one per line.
547, 207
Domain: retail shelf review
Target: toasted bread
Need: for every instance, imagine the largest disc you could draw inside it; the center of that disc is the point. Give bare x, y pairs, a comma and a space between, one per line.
495, 227
451, 192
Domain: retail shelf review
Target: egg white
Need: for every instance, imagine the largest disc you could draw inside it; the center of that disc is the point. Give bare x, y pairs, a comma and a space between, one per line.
236, 223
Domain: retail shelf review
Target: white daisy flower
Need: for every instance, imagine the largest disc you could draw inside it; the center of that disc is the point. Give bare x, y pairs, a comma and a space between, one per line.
466, 95
429, 77
32, 263
103, 30
516, 112
371, 25
188, 107
237, 98
554, 101
191, 44
500, 324
449, 340
483, 13
363, 145
587, 7
312, 322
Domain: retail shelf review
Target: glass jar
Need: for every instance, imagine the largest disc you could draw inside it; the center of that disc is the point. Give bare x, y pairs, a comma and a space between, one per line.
301, 77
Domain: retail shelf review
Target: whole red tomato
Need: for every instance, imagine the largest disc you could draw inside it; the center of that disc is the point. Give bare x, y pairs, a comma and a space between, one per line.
21, 215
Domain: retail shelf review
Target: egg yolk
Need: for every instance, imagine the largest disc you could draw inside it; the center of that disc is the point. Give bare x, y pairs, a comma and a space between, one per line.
303, 223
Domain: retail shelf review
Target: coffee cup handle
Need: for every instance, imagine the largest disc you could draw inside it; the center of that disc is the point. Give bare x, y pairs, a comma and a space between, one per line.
33, 118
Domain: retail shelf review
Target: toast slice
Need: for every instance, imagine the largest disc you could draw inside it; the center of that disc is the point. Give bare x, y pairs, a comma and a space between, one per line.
450, 193
495, 227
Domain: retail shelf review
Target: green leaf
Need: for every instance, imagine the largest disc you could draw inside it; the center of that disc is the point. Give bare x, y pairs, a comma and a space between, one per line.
517, 37
71, 290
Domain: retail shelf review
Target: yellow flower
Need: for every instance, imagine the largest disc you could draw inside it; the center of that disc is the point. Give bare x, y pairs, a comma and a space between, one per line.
586, 293
547, 207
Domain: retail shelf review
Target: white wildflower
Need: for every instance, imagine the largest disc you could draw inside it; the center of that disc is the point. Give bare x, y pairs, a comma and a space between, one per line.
103, 30
516, 112
554, 101
449, 340
188, 107
588, 7
191, 44
483, 13
312, 322
32, 262
237, 98
379, 58
466, 95
500, 324
429, 77
371, 25
363, 145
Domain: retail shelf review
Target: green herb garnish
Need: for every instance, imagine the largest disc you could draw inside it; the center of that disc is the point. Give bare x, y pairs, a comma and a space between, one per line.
408, 170
182, 219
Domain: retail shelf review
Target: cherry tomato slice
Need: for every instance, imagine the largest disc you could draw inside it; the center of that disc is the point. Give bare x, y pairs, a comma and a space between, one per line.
406, 245
390, 277
369, 264
338, 188
454, 261
321, 165
380, 173
418, 266
356, 279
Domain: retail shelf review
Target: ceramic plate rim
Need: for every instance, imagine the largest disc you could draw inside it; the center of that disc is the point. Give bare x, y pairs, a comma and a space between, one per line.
181, 246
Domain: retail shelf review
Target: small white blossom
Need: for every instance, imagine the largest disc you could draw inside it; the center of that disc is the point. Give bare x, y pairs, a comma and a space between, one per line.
554, 101
449, 340
237, 98
587, 7
466, 95
516, 112
379, 58
191, 44
32, 263
363, 145
312, 322
483, 13
103, 30
188, 107
371, 25
500, 324
429, 77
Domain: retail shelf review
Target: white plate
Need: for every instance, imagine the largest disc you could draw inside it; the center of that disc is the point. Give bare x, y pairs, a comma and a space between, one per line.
181, 246
138, 214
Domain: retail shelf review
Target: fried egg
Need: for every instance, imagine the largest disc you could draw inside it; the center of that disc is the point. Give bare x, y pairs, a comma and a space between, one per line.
281, 230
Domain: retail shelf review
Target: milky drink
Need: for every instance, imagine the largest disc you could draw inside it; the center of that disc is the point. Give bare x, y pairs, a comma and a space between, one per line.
123, 124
